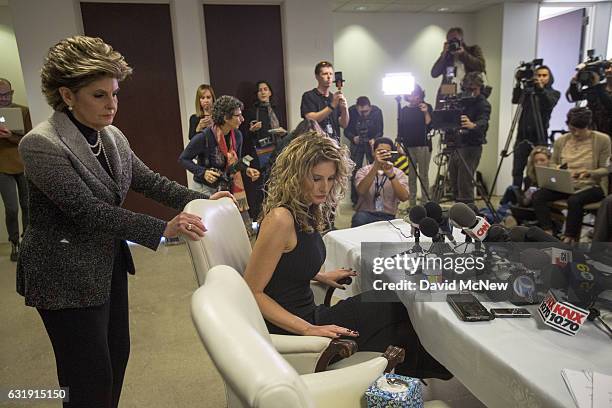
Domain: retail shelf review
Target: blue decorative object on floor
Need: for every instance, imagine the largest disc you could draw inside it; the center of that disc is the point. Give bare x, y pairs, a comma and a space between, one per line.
395, 391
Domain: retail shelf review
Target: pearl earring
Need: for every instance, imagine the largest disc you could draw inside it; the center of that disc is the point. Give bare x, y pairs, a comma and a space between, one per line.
70, 108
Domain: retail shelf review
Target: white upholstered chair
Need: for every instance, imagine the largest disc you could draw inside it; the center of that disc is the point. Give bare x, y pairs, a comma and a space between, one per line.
226, 243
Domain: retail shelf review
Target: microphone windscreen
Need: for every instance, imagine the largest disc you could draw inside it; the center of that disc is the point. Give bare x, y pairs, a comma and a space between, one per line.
429, 227
517, 234
537, 234
416, 214
534, 258
473, 207
497, 233
462, 215
434, 211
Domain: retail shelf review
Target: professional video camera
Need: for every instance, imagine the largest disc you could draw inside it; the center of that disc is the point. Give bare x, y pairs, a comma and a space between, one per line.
226, 179
447, 116
525, 72
592, 71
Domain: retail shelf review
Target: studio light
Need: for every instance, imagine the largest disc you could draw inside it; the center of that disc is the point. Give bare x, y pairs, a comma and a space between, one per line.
400, 83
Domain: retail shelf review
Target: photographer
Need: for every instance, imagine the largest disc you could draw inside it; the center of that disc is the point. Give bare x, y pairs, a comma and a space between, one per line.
538, 97
585, 85
320, 104
365, 126
414, 125
380, 186
218, 150
459, 57
469, 139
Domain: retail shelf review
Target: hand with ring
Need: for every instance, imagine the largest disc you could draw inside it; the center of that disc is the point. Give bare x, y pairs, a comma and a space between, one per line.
211, 175
187, 224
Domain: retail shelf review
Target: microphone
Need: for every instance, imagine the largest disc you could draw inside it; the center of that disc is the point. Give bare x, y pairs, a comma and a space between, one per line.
498, 233
517, 234
537, 234
430, 228
562, 315
464, 217
416, 215
435, 212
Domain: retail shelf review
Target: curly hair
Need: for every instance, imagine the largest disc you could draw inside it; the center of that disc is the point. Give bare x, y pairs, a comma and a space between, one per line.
530, 170
199, 92
580, 118
76, 62
291, 170
224, 108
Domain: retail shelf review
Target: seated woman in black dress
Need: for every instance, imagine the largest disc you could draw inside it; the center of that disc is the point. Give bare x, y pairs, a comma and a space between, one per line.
307, 181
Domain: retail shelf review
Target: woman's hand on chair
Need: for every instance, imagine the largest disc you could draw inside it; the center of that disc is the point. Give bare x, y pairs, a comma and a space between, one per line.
186, 224
330, 330
331, 278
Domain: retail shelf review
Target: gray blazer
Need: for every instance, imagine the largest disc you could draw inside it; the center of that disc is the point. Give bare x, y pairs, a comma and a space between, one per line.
66, 258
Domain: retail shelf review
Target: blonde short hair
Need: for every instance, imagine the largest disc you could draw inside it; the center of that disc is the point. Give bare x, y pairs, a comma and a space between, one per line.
76, 62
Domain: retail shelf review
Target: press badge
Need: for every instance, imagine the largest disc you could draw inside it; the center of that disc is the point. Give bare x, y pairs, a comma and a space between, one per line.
378, 204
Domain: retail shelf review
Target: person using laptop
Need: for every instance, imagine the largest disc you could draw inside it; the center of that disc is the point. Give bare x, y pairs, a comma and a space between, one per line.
13, 186
586, 154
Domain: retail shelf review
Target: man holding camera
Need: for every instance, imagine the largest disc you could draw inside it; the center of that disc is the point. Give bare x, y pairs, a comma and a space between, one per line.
469, 139
364, 127
586, 84
320, 104
380, 186
456, 60
538, 98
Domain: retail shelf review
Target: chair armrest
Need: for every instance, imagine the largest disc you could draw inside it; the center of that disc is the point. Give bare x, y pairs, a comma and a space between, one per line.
394, 356
309, 354
344, 387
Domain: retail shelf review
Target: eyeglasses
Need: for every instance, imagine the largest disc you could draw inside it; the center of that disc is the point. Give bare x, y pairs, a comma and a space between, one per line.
6, 94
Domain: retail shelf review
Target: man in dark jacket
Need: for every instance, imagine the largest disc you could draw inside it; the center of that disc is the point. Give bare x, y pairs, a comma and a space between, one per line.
459, 58
364, 127
545, 98
469, 139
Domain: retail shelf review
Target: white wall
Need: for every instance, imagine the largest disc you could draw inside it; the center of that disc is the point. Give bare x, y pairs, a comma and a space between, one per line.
488, 24
520, 23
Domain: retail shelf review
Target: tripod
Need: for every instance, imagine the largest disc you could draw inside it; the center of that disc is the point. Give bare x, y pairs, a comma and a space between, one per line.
527, 94
443, 159
424, 188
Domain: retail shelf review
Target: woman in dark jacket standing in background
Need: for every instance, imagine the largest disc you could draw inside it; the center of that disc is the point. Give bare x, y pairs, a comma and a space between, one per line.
74, 260
264, 133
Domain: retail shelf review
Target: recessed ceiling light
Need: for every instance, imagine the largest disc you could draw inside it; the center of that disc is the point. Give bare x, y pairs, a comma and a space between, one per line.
361, 8
443, 9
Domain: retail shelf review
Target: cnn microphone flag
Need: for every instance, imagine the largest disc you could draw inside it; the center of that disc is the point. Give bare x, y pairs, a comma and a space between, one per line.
561, 315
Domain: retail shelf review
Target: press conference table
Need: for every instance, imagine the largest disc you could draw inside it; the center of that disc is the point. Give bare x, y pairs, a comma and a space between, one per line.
504, 362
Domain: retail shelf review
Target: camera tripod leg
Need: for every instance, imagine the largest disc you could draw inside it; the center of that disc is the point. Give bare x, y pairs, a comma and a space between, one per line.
479, 186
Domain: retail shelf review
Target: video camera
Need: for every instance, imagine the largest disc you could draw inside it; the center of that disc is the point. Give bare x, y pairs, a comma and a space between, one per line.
525, 72
592, 71
454, 45
447, 115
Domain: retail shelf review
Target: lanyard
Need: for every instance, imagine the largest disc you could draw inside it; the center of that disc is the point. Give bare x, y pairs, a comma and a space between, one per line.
378, 186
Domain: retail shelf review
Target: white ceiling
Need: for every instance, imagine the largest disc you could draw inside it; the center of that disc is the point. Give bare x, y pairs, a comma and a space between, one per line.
418, 6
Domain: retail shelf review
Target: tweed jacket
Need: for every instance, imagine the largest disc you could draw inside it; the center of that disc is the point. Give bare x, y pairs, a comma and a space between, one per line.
76, 218
601, 156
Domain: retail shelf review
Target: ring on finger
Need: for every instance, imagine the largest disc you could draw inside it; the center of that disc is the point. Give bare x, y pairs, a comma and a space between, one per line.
189, 227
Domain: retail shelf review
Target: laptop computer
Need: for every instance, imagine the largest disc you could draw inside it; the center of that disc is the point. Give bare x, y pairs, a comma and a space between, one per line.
555, 179
12, 119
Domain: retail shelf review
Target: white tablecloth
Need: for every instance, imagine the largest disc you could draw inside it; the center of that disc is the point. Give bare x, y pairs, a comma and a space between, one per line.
504, 362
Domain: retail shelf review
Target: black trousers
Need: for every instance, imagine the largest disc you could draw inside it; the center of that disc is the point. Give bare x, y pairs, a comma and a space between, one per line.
575, 204
383, 324
522, 150
92, 347
462, 177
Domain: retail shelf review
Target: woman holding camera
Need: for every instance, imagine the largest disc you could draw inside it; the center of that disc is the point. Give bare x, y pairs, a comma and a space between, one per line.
74, 260
205, 97
218, 153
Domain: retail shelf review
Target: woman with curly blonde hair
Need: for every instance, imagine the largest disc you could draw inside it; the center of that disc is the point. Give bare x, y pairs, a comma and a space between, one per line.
74, 261
308, 179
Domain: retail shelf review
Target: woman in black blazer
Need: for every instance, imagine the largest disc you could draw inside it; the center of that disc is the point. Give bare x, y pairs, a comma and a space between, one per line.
74, 260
